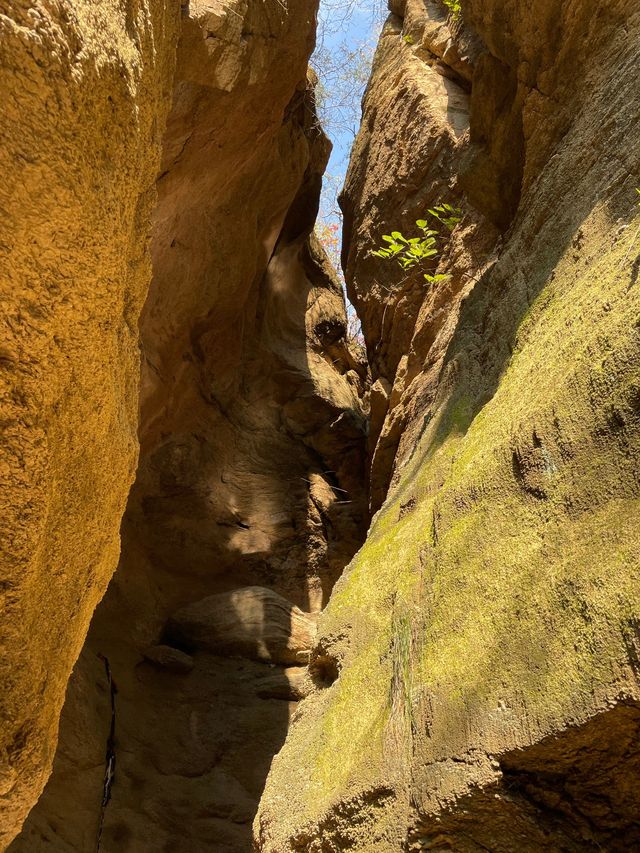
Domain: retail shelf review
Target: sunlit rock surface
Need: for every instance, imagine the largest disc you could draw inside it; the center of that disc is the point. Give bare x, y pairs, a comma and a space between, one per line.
85, 90
485, 639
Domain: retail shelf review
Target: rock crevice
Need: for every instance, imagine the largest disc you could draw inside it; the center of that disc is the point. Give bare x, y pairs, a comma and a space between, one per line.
470, 680
249, 494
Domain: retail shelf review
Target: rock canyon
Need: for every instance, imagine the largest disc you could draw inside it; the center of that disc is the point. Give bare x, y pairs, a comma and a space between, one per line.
265, 588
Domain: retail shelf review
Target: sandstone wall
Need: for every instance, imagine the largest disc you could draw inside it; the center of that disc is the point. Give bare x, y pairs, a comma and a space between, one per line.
473, 682
249, 496
85, 91
481, 650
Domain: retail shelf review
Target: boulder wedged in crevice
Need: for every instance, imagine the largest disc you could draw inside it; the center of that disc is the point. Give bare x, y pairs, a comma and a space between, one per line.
252, 622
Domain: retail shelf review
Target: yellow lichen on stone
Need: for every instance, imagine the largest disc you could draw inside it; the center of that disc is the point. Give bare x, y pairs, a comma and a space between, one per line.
535, 590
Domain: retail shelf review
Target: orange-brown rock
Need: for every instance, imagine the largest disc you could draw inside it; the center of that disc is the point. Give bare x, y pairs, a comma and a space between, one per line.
85, 89
168, 657
252, 622
252, 449
480, 654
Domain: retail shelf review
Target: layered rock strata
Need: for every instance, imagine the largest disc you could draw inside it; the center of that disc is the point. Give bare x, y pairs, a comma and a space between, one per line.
482, 648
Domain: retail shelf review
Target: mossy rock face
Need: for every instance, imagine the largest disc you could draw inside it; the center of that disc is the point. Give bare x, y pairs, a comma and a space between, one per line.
508, 554
521, 576
494, 610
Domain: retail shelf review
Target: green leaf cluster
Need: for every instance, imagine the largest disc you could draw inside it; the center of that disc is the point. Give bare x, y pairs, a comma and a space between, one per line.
446, 214
409, 252
454, 7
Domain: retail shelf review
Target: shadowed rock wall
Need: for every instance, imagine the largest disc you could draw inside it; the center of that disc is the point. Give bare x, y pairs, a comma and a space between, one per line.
249, 496
483, 645
473, 682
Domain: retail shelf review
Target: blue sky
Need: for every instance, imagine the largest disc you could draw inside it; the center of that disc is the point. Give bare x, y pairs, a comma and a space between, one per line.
347, 32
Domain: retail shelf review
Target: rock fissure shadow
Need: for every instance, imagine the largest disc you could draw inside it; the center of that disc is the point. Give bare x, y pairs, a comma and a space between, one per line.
249, 492
110, 751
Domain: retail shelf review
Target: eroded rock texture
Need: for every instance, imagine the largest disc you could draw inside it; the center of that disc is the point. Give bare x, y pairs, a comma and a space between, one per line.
85, 91
251, 622
249, 498
473, 682
481, 651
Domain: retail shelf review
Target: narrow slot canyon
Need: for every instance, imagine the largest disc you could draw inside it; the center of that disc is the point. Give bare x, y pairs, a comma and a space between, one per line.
271, 585
249, 494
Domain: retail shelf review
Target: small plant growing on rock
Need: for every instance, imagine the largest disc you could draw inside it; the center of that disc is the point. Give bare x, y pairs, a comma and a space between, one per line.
454, 7
448, 215
409, 252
